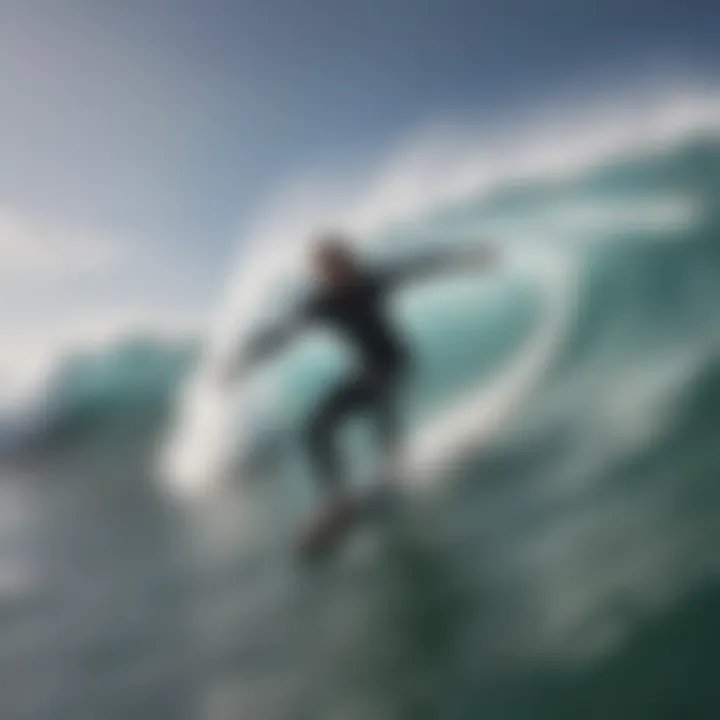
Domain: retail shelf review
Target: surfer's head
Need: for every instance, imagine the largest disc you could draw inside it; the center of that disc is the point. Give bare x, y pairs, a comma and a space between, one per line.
334, 260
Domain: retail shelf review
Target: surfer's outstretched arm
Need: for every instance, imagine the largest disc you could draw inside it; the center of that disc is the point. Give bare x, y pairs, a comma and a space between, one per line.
261, 345
442, 261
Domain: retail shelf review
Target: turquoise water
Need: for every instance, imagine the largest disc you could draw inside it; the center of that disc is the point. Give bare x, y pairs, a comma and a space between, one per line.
567, 569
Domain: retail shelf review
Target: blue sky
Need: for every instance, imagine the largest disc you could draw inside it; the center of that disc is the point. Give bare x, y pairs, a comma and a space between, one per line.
138, 138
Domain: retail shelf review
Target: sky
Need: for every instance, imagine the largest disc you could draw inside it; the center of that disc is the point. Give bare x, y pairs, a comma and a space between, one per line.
140, 139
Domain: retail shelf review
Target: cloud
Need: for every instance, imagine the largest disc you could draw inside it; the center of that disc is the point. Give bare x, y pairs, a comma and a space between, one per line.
31, 247
65, 288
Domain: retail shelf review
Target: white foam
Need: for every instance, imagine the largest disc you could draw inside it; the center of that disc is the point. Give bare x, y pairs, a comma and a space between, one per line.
483, 411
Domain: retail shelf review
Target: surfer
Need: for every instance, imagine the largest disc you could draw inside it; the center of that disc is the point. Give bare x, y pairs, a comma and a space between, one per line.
351, 298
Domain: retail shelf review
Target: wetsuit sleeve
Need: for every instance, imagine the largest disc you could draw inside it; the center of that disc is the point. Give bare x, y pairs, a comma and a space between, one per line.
440, 261
267, 341
271, 339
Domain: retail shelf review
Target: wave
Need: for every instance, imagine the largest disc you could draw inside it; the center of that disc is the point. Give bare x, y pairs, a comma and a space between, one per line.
550, 201
84, 389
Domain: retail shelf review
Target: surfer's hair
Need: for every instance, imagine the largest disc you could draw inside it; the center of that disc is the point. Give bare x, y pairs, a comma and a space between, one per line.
334, 247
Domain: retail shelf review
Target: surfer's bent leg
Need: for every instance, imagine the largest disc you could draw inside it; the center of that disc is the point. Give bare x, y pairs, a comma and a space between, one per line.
324, 425
386, 417
376, 393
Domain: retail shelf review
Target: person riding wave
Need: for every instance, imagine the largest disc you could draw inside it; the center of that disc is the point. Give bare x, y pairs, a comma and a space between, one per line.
352, 298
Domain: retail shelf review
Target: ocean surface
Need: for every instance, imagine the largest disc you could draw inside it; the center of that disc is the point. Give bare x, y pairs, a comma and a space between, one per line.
558, 558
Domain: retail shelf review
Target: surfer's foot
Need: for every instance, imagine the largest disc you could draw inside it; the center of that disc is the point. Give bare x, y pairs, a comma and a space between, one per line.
337, 509
335, 516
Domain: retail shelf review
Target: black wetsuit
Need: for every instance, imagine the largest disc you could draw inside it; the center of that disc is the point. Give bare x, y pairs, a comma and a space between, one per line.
359, 314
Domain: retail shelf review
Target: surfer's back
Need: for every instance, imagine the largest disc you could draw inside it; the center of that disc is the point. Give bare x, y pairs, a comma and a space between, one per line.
359, 312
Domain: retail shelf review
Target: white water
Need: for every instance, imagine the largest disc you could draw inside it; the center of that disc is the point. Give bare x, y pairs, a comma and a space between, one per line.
482, 413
